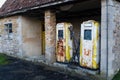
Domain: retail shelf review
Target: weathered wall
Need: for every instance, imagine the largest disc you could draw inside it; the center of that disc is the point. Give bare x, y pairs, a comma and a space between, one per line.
110, 38
25, 41
50, 36
31, 36
10, 45
103, 62
116, 36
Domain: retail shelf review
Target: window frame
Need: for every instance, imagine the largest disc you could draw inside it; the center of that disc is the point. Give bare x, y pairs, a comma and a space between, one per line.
8, 29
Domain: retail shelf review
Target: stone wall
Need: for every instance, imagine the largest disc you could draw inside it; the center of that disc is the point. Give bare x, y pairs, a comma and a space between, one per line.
25, 40
111, 33
10, 45
116, 34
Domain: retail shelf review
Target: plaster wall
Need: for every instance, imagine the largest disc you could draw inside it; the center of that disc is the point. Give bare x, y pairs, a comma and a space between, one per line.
31, 36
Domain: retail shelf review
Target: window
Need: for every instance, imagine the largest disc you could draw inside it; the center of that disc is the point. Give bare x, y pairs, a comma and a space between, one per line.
60, 33
8, 28
88, 35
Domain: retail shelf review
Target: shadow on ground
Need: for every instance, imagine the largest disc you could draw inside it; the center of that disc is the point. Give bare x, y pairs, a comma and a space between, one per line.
23, 70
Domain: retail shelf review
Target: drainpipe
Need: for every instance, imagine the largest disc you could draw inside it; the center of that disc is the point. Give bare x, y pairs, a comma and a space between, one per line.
107, 15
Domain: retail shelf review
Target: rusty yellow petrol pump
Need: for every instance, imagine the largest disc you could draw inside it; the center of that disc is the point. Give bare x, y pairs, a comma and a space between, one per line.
64, 47
89, 44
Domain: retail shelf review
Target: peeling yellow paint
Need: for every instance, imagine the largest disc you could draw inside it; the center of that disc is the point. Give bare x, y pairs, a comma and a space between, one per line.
93, 63
67, 43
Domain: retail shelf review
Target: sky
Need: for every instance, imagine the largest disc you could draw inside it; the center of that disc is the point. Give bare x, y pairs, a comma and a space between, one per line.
2, 2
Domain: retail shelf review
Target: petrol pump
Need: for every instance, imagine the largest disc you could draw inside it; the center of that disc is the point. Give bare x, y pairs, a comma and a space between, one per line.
64, 47
89, 44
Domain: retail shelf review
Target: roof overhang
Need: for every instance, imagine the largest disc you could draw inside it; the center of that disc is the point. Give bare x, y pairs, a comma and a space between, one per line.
58, 2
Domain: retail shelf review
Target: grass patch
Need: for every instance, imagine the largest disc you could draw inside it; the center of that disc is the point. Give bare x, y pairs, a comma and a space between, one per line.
3, 59
117, 76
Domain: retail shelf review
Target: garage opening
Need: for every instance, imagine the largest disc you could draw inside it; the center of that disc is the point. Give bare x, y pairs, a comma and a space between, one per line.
75, 15
72, 16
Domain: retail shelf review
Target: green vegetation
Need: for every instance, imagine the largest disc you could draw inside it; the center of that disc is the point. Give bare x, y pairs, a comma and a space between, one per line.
117, 76
3, 59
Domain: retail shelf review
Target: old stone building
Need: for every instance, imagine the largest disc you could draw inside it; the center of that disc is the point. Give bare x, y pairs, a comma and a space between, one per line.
28, 30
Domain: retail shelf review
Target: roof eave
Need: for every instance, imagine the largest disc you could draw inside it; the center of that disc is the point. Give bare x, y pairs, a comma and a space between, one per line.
35, 7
